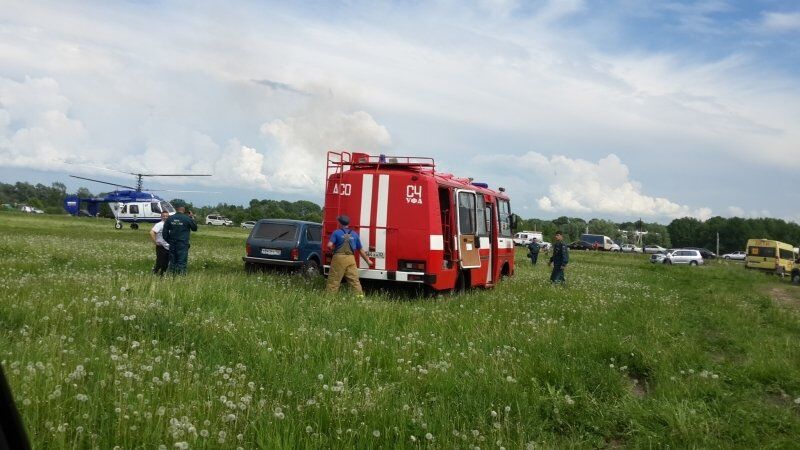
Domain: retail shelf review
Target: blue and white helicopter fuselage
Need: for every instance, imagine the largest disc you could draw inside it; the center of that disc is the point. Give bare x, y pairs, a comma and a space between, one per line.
133, 207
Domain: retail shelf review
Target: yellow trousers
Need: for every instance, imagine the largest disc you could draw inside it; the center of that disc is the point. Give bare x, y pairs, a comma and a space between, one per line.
343, 266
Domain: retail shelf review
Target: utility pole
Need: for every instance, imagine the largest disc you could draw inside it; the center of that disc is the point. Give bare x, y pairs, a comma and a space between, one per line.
717, 243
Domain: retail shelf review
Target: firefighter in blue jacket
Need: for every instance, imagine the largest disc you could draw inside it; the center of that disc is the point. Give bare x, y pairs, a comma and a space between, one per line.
559, 260
533, 247
176, 233
346, 247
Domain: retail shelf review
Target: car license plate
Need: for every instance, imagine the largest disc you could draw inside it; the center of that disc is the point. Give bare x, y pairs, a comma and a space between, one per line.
270, 251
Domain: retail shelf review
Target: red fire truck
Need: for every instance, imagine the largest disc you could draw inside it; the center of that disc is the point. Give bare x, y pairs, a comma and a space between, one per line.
420, 225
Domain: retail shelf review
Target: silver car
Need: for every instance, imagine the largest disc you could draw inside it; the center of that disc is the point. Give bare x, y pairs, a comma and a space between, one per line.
684, 256
736, 256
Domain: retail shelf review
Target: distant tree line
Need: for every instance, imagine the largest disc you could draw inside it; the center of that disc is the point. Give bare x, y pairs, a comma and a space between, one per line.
684, 232
259, 209
49, 199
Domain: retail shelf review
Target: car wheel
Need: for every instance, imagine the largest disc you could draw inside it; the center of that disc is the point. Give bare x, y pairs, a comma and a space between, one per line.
726, 257
796, 278
311, 269
692, 263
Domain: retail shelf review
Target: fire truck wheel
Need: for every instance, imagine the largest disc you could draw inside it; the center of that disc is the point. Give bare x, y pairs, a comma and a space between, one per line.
311, 269
461, 283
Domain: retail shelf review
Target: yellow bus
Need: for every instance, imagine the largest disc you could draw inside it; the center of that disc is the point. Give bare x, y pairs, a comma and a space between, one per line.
768, 255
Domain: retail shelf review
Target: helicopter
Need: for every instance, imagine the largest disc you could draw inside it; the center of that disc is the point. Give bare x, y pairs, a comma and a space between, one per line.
129, 205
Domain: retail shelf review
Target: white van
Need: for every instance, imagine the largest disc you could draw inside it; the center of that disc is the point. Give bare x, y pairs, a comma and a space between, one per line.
215, 219
525, 237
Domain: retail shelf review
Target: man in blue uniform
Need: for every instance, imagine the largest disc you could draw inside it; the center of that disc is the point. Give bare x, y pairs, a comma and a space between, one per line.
345, 243
176, 233
559, 259
533, 247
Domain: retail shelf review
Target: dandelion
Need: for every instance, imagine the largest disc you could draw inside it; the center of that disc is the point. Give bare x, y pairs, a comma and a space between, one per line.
204, 433
309, 429
376, 433
507, 409
429, 436
82, 397
182, 445
569, 400
413, 438
797, 401
494, 413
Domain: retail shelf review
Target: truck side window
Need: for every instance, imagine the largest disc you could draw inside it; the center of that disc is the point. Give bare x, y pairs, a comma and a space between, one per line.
466, 212
480, 214
505, 218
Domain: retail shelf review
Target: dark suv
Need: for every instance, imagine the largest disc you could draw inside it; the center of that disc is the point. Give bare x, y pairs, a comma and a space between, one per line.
294, 244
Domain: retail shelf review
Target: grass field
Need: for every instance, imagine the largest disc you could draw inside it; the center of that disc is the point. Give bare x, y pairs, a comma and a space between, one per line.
102, 354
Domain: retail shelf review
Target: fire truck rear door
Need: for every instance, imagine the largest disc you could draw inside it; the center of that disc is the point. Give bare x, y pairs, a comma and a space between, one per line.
467, 248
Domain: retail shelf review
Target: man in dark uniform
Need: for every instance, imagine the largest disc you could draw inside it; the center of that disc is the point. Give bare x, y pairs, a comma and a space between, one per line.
533, 247
559, 259
176, 233
345, 244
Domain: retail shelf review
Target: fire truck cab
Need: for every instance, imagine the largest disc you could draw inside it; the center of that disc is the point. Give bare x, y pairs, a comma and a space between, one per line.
419, 225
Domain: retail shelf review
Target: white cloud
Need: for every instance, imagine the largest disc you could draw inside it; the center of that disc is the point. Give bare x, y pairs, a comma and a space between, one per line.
780, 22
586, 187
297, 162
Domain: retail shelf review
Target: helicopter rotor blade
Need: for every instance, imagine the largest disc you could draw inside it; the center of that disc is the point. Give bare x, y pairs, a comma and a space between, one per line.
104, 182
193, 192
172, 175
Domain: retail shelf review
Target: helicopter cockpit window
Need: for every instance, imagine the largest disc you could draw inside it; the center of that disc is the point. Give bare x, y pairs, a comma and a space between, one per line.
155, 207
166, 206
133, 209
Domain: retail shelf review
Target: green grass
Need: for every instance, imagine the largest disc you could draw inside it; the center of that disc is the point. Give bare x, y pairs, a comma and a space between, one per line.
630, 354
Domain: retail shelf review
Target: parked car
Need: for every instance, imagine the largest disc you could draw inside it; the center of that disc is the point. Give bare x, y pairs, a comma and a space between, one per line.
580, 245
248, 225
630, 248
525, 237
684, 256
545, 246
614, 247
214, 219
658, 258
653, 249
704, 252
736, 256
294, 244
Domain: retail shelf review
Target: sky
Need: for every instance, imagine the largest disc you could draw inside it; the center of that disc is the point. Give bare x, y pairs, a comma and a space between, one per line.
618, 109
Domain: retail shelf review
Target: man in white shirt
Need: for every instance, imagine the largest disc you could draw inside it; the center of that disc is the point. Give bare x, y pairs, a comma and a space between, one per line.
162, 247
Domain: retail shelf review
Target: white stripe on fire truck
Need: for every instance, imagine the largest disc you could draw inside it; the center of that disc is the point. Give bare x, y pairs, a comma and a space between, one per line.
380, 221
383, 200
437, 242
380, 248
363, 234
366, 217
366, 200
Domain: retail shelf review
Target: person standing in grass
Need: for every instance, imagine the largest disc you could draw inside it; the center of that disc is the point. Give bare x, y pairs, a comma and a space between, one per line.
176, 232
533, 247
345, 243
162, 247
559, 259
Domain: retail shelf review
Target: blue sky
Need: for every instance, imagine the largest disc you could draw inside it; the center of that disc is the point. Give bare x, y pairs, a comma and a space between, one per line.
616, 109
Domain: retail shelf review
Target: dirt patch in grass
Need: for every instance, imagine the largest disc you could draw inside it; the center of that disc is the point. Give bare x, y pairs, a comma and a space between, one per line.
787, 297
637, 386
